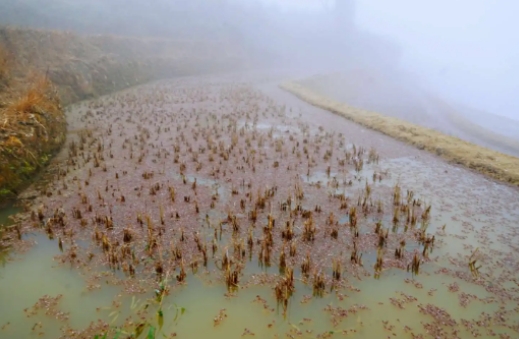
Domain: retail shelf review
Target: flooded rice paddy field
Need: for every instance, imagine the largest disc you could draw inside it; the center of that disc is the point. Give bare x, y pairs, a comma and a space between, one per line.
210, 207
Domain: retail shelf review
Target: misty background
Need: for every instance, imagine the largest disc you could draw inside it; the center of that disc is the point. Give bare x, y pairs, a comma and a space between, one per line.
466, 52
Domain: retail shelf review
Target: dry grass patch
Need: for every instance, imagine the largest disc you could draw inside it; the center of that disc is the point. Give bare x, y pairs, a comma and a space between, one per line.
481, 132
491, 163
38, 97
32, 128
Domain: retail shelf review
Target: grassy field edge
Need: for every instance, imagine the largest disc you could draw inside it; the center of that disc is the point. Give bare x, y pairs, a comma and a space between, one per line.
491, 163
485, 134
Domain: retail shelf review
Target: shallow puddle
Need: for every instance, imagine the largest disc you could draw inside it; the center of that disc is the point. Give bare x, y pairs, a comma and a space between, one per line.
35, 276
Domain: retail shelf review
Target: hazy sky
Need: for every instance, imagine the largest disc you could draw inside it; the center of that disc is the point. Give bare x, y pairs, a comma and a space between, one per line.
466, 50
298, 4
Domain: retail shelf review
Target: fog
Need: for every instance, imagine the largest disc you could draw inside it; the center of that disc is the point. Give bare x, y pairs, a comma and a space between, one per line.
464, 51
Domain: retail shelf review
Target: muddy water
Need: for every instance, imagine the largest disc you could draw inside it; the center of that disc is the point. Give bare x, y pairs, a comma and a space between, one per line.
5, 214
33, 276
469, 216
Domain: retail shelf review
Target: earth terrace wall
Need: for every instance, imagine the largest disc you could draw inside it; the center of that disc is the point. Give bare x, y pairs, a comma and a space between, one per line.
45, 70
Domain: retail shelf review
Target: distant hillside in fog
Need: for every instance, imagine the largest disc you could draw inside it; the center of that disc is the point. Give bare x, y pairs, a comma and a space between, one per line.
128, 17
303, 39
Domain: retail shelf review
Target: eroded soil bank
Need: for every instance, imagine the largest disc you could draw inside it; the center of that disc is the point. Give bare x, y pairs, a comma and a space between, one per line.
42, 71
225, 207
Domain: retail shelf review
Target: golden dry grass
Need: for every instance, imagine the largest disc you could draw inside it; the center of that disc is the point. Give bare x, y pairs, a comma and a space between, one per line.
32, 127
467, 126
37, 97
488, 162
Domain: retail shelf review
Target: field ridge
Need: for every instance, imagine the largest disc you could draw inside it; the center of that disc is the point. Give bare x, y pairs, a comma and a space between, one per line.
491, 163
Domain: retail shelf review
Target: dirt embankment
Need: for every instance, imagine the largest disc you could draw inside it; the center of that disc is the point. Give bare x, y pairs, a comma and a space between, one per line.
41, 71
399, 95
486, 161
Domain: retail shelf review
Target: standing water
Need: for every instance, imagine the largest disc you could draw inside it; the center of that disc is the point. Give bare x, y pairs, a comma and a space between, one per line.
188, 209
